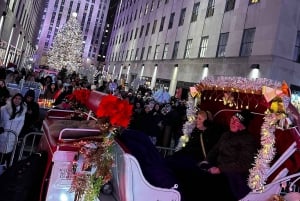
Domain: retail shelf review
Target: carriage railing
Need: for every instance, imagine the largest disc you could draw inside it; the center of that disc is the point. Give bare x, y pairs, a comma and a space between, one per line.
29, 144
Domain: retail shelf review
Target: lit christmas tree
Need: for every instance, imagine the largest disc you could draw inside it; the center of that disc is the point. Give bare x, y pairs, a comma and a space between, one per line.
67, 47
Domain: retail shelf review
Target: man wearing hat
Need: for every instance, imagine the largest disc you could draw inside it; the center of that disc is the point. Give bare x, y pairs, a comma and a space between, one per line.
226, 168
233, 156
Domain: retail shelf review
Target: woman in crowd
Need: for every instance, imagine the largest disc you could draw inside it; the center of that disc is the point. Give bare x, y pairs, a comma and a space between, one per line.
32, 116
12, 117
50, 91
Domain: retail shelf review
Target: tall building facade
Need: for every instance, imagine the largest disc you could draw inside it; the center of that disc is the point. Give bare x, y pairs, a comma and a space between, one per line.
19, 27
91, 14
108, 28
179, 42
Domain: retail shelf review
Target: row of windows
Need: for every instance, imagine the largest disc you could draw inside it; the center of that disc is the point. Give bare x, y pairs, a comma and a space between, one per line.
245, 50
209, 11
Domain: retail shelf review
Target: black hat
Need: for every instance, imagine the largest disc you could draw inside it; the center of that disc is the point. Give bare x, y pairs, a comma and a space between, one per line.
30, 93
245, 116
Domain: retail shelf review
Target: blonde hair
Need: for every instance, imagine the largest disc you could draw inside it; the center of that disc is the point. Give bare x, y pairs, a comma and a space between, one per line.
207, 114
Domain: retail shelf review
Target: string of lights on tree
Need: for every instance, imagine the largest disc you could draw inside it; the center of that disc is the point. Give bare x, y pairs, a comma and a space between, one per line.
67, 47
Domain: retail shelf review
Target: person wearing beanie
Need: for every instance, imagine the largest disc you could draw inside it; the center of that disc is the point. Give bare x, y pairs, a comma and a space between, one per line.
226, 167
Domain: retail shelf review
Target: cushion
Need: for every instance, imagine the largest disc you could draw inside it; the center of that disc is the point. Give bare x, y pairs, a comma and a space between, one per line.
152, 163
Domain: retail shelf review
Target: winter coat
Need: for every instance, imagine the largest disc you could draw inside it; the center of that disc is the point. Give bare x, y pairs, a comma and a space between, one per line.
194, 148
234, 155
7, 140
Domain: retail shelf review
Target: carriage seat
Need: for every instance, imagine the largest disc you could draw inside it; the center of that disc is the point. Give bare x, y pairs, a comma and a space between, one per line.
138, 171
56, 121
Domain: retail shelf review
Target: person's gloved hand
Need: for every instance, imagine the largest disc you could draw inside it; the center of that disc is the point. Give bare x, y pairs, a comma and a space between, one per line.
1, 130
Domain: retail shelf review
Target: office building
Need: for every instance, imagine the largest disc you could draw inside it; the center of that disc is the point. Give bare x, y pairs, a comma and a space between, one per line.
19, 26
176, 43
91, 14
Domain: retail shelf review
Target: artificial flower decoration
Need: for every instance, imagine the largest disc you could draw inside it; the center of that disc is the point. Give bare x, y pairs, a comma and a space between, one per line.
117, 110
114, 114
285, 88
80, 95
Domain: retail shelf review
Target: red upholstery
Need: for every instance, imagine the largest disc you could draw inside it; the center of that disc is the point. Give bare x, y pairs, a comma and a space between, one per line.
55, 117
94, 100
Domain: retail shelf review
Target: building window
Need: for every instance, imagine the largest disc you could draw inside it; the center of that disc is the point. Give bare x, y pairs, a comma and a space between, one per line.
146, 8
229, 5
175, 50
147, 29
297, 48
162, 22
195, 12
136, 54
149, 52
141, 32
127, 55
131, 34
210, 8
158, 3
156, 52
171, 20
142, 53
154, 26
253, 1
182, 16
247, 42
136, 32
165, 52
188, 48
203, 46
131, 54
152, 6
222, 44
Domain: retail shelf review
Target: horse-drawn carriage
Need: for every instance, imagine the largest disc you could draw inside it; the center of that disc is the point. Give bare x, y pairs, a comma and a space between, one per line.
275, 127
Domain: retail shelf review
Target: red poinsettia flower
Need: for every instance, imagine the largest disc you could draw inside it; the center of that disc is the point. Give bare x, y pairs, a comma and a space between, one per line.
80, 95
117, 110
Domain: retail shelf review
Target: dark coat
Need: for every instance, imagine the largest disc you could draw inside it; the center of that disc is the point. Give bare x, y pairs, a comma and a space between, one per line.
194, 148
234, 155
4, 95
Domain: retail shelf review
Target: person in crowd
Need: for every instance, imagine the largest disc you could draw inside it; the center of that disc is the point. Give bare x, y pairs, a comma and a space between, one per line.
2, 70
32, 116
158, 119
67, 90
12, 117
4, 93
112, 86
172, 126
50, 91
147, 123
202, 138
226, 167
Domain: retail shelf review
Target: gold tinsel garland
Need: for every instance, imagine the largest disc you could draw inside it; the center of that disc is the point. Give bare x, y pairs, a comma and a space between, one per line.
97, 162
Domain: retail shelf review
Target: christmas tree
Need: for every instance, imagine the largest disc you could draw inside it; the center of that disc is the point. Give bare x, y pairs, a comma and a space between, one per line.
67, 47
